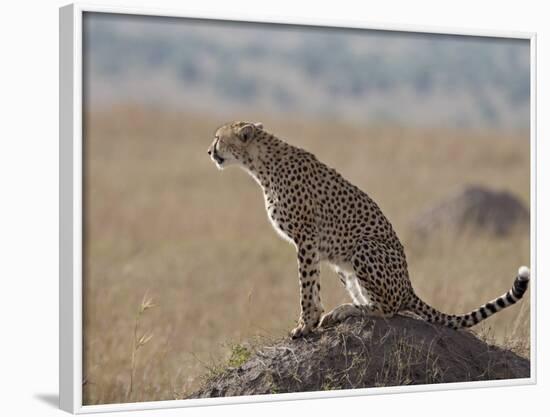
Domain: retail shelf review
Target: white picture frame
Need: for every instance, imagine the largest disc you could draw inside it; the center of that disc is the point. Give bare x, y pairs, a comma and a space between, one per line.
70, 203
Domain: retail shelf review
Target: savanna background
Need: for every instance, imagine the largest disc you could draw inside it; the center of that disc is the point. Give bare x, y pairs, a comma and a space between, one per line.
181, 266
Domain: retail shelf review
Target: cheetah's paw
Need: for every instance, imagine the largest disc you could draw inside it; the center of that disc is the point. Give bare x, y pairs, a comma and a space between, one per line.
339, 314
300, 331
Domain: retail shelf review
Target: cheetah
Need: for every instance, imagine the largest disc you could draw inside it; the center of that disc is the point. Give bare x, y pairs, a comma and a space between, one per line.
328, 219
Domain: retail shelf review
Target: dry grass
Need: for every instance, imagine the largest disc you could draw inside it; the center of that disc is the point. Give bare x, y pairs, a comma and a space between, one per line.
139, 341
160, 217
401, 359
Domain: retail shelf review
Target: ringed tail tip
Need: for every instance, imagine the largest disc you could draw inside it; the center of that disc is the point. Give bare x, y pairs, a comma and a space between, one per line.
523, 273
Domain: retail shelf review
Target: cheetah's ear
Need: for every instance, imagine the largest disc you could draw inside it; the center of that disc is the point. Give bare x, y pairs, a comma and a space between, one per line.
259, 125
246, 133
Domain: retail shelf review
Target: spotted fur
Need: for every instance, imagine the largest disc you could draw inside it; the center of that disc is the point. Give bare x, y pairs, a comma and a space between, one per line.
329, 219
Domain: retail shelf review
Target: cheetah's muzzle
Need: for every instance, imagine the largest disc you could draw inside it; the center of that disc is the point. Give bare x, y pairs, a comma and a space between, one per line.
217, 157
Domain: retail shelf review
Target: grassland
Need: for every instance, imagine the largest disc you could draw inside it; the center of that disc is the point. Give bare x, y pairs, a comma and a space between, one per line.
161, 220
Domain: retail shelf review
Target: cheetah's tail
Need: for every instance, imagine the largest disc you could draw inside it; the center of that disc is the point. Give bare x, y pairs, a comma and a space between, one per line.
431, 315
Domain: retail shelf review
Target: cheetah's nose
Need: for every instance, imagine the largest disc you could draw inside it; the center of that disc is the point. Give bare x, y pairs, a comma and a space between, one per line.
209, 152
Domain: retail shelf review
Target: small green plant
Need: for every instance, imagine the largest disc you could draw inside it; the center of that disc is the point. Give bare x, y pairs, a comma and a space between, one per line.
239, 355
215, 368
139, 341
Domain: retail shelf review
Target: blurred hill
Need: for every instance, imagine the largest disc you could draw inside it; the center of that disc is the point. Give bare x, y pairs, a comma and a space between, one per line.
234, 69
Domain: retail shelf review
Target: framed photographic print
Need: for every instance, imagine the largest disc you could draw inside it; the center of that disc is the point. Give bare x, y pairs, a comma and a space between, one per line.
267, 210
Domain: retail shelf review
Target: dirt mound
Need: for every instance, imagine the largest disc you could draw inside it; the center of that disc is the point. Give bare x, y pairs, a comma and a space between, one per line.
475, 207
361, 353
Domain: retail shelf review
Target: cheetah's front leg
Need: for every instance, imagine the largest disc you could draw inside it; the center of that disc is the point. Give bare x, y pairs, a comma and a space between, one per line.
310, 287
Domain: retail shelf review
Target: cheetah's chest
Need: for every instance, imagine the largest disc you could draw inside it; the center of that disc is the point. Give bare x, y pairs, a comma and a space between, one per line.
279, 222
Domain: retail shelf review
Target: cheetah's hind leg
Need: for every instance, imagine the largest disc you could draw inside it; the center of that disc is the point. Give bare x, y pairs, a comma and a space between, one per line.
339, 314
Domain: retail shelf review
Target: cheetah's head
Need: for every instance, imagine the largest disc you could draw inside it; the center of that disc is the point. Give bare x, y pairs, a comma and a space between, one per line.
233, 143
